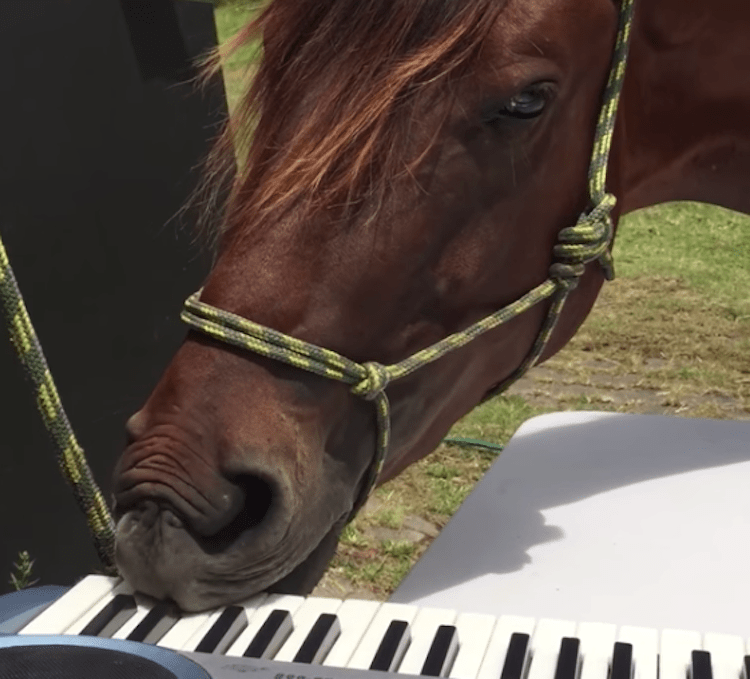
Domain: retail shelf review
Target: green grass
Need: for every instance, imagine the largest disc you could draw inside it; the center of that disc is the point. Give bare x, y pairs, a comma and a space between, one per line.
706, 247
230, 18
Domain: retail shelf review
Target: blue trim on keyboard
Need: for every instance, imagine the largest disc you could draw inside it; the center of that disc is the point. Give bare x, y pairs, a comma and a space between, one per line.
18, 608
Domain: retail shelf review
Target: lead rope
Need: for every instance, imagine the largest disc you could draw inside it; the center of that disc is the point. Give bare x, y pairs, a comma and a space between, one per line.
70, 455
589, 240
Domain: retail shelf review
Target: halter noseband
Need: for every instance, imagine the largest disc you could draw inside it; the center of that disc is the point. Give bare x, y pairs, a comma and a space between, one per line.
589, 240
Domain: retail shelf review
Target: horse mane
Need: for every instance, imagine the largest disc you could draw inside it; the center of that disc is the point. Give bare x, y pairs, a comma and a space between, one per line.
326, 120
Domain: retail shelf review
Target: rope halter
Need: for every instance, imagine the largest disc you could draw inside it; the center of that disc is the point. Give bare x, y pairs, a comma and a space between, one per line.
588, 241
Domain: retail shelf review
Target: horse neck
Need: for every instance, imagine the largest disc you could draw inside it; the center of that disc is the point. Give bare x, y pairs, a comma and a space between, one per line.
684, 132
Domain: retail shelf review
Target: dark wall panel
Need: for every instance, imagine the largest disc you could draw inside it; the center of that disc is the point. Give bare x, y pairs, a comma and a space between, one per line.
100, 137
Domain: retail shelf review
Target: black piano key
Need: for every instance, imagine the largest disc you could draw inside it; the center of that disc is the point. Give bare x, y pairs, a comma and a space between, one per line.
622, 661
746, 667
700, 665
158, 621
273, 633
228, 625
113, 616
515, 658
318, 642
567, 659
392, 648
442, 652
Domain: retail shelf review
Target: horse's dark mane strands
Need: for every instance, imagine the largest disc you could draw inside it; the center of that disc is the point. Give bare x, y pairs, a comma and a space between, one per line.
372, 60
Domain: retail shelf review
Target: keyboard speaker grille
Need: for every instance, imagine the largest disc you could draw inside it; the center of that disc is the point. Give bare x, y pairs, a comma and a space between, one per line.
76, 662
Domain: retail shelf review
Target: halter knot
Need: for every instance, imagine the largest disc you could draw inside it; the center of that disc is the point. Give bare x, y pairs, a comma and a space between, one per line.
566, 275
589, 240
374, 382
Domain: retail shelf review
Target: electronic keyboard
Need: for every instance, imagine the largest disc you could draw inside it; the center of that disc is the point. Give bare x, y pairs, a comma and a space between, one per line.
282, 636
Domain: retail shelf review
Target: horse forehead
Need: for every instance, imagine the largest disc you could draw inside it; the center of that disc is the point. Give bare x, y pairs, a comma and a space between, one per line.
556, 30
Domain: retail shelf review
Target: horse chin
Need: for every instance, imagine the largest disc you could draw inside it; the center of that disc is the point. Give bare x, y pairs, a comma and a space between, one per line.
159, 555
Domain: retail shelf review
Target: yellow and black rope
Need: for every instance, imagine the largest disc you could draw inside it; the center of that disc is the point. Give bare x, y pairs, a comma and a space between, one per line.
70, 456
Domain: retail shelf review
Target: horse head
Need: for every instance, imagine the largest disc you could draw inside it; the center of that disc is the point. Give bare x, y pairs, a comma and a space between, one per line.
412, 164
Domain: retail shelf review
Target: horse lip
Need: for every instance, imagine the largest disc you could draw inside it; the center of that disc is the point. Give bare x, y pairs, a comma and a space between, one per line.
193, 577
172, 519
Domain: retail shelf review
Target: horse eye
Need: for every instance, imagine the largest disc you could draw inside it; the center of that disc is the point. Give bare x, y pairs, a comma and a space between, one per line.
529, 103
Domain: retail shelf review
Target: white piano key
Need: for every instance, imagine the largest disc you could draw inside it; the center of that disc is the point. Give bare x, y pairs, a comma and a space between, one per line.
199, 631
355, 617
545, 646
373, 636
189, 630
321, 638
727, 652
423, 630
675, 649
250, 606
179, 636
674, 652
645, 644
483, 639
72, 605
144, 604
161, 617
224, 631
474, 632
494, 659
285, 602
78, 626
304, 619
597, 643
442, 653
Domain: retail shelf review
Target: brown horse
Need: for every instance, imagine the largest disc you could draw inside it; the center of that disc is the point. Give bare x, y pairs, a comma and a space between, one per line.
412, 164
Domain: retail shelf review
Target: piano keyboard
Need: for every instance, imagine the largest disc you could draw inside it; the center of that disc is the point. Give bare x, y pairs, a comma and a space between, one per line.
276, 629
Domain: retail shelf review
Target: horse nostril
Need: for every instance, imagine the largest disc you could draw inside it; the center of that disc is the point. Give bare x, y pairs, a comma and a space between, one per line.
258, 498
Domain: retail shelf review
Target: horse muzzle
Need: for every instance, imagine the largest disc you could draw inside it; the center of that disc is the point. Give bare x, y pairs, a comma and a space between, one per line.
205, 539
